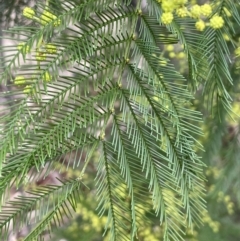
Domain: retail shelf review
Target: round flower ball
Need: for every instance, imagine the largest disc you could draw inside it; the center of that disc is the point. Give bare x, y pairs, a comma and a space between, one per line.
167, 18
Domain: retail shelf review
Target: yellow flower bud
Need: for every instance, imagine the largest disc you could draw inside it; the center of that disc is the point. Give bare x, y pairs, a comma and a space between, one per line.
182, 12
228, 13
163, 62
27, 89
23, 47
19, 80
221, 194
51, 49
226, 37
172, 55
226, 198
181, 55
28, 12
47, 77
206, 9
196, 11
170, 47
230, 211
200, 25
40, 56
168, 6
230, 205
47, 17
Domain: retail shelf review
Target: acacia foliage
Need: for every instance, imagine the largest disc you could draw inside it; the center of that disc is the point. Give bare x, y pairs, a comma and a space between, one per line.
87, 79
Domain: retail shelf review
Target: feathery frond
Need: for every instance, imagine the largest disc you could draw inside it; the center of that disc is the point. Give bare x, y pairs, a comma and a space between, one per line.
84, 82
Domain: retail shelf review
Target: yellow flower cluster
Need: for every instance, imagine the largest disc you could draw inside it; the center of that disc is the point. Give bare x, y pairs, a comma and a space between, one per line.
42, 49
169, 6
227, 201
20, 80
197, 11
214, 171
28, 89
177, 52
214, 225
205, 10
45, 18
169, 47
